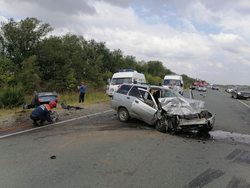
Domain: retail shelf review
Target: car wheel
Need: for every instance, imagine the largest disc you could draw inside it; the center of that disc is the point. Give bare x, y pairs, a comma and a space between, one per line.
123, 114
161, 126
204, 131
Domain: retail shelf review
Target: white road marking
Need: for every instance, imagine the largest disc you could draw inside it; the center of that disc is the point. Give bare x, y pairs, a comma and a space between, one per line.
53, 124
243, 103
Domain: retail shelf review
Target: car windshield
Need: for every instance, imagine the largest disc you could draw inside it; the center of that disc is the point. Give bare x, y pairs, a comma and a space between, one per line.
169, 93
172, 82
117, 81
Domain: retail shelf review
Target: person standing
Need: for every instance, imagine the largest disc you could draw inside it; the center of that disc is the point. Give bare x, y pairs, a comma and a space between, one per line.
82, 90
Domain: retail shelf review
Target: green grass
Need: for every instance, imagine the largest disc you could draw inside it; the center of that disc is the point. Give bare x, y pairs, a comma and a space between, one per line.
91, 97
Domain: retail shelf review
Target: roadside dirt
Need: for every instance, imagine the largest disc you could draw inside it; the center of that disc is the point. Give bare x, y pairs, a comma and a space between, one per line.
20, 120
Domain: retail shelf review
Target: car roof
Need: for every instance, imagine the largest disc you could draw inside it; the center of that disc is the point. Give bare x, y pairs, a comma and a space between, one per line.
144, 85
147, 86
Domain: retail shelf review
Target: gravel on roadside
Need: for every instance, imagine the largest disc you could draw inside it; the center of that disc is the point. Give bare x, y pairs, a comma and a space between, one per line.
21, 119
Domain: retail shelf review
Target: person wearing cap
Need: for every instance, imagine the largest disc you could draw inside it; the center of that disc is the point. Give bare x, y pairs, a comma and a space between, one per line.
42, 113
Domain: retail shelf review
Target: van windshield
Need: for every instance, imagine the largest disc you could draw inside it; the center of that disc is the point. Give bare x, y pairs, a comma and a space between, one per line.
172, 82
118, 81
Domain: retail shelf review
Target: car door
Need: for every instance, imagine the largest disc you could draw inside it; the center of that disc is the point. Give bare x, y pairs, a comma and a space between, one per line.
133, 94
145, 111
120, 97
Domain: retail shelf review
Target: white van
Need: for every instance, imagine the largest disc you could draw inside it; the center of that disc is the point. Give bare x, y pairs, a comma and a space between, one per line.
174, 82
127, 76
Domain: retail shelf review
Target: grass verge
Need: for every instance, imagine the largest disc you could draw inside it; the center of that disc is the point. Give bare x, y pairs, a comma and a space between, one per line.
91, 97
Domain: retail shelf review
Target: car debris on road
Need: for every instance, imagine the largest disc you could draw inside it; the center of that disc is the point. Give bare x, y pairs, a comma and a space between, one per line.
69, 107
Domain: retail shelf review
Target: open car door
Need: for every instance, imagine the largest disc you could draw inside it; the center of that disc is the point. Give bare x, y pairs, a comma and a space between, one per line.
146, 109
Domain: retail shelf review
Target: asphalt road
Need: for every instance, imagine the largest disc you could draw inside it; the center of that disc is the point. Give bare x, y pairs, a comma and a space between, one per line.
99, 151
231, 114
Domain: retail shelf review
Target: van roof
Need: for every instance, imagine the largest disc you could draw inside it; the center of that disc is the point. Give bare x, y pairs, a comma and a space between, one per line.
128, 74
179, 77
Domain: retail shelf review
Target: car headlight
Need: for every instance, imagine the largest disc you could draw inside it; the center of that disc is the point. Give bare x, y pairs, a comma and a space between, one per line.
239, 93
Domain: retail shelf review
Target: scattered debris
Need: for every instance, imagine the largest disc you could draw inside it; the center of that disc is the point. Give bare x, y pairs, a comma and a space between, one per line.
68, 107
53, 157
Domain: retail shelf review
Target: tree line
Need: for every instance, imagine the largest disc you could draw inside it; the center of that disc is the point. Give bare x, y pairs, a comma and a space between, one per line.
33, 59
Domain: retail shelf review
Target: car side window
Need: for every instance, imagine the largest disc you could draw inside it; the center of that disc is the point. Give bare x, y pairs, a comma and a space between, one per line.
135, 92
124, 89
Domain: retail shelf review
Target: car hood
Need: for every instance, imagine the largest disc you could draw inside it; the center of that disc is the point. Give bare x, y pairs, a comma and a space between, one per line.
181, 106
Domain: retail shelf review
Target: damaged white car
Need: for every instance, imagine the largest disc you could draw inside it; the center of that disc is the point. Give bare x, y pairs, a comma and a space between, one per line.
164, 108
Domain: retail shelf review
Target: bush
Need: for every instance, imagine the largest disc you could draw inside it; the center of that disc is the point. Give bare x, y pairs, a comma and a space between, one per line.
153, 80
11, 97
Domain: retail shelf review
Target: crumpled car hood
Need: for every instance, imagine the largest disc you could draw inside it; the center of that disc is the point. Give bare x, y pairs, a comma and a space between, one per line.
181, 106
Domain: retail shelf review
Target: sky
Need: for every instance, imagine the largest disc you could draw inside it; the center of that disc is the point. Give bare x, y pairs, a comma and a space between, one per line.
208, 40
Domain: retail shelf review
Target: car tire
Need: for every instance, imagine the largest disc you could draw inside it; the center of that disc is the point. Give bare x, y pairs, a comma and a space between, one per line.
160, 126
204, 131
123, 114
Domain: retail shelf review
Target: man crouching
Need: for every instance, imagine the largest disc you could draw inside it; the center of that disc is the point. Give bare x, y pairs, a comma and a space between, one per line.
42, 113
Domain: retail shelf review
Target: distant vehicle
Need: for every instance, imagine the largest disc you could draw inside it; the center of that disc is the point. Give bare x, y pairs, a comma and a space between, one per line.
201, 83
229, 90
174, 82
128, 76
241, 93
192, 87
42, 98
164, 108
215, 88
203, 89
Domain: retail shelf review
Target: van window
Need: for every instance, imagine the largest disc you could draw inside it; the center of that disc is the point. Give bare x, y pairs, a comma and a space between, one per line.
135, 92
172, 82
118, 81
124, 89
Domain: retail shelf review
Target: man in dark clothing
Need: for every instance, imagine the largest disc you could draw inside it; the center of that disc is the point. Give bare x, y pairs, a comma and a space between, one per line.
156, 96
82, 89
42, 113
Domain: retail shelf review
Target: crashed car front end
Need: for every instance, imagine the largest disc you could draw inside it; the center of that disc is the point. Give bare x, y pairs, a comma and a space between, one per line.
201, 122
185, 114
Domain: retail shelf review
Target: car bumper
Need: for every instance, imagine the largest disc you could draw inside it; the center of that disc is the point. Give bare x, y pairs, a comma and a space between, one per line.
243, 96
196, 124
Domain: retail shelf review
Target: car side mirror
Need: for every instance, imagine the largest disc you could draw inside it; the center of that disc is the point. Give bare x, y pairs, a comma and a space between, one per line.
181, 85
